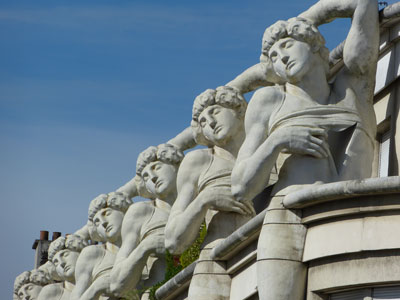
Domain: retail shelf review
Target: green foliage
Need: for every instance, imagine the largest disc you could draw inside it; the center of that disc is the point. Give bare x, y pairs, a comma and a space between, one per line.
175, 264
193, 252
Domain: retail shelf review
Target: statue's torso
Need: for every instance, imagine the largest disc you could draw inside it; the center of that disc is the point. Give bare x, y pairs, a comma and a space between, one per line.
217, 174
350, 140
105, 263
156, 220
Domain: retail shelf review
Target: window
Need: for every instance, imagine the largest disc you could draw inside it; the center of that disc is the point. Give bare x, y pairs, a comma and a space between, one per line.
384, 151
379, 293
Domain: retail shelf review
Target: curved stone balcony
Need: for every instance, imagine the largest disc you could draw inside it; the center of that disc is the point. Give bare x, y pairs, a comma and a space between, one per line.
353, 232
352, 241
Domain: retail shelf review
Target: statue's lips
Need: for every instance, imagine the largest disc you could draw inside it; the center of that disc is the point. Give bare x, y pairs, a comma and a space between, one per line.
109, 227
67, 268
158, 183
290, 64
217, 129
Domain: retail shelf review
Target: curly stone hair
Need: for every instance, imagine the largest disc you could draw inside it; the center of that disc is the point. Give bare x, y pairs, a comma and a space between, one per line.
36, 276
71, 242
50, 268
224, 96
165, 153
115, 200
299, 29
20, 280
40, 277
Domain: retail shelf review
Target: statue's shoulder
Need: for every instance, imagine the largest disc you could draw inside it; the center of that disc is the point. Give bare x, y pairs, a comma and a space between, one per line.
193, 164
267, 96
198, 156
263, 103
140, 208
91, 252
51, 291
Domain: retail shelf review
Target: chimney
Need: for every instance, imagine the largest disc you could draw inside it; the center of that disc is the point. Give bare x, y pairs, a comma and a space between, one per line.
55, 236
41, 247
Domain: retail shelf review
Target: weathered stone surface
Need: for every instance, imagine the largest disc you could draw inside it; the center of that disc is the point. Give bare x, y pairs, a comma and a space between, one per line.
95, 262
144, 222
326, 130
204, 189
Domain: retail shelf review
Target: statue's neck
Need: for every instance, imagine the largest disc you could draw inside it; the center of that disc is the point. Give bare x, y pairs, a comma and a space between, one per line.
164, 204
233, 145
222, 152
312, 85
169, 200
114, 247
69, 286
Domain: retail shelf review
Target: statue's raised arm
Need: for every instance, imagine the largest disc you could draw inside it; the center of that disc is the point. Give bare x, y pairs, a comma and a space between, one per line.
259, 75
324, 126
360, 51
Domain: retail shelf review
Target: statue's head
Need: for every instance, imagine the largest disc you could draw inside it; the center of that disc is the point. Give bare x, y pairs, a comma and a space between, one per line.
106, 213
291, 45
218, 116
63, 253
50, 269
28, 285
158, 167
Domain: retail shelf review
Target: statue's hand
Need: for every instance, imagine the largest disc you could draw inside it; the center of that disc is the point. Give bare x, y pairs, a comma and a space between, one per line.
152, 244
302, 140
221, 198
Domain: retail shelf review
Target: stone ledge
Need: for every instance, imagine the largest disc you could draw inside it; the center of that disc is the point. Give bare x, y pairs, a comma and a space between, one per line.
176, 283
317, 194
239, 238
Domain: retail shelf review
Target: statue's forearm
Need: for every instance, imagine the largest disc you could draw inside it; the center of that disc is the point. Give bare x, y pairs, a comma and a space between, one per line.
326, 11
182, 228
97, 288
254, 77
83, 233
250, 176
184, 140
130, 188
127, 273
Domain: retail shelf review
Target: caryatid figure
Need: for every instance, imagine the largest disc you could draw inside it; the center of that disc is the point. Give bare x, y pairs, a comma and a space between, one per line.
144, 223
63, 254
326, 129
204, 188
92, 273
28, 285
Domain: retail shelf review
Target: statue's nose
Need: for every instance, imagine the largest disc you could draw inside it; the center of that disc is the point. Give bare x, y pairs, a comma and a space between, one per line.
105, 224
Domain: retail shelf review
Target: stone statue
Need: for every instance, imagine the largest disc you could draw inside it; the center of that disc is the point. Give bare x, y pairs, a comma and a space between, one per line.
204, 187
325, 129
144, 222
95, 262
51, 270
28, 285
63, 254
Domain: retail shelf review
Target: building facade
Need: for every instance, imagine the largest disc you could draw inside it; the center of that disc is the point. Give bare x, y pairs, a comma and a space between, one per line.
352, 246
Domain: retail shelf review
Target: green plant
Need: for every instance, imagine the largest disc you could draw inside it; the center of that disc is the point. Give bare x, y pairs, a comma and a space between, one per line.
175, 264
193, 252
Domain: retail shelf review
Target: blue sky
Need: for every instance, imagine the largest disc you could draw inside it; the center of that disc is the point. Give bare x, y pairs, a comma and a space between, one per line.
86, 85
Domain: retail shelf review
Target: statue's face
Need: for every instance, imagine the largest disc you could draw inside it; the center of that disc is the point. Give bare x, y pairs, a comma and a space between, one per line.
219, 124
108, 224
29, 291
291, 59
65, 261
160, 179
